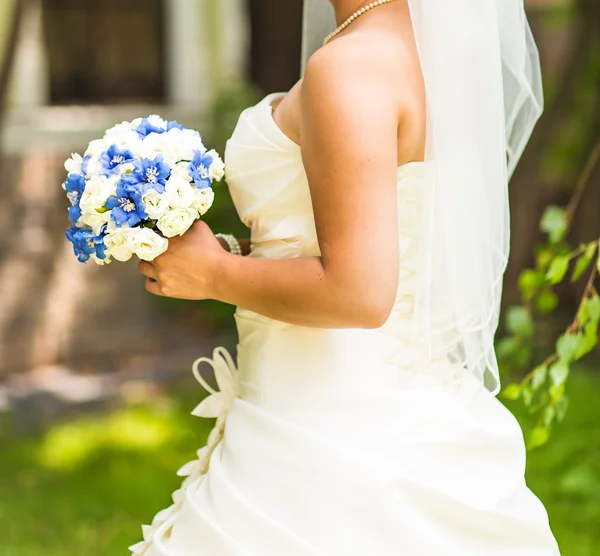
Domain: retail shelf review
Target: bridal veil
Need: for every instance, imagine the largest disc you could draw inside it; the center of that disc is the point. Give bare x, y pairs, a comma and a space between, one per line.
484, 95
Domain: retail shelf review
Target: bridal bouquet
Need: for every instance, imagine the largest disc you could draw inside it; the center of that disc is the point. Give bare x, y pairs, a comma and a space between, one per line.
142, 176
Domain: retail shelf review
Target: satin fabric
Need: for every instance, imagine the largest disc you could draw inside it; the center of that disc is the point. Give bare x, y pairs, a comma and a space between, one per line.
347, 441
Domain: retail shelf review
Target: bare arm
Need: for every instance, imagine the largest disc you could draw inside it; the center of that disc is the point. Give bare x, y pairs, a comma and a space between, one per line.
349, 150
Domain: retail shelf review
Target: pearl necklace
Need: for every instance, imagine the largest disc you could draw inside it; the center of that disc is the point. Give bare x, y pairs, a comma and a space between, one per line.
354, 16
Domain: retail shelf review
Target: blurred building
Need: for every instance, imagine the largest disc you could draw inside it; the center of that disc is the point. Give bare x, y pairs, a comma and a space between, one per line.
117, 59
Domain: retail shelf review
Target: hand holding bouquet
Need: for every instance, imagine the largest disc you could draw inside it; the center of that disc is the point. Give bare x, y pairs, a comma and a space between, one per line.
142, 176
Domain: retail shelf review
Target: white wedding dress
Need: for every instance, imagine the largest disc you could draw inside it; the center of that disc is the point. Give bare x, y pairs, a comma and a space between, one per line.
339, 442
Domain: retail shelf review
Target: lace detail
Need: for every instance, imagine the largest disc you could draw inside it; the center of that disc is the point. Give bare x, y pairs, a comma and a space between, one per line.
215, 405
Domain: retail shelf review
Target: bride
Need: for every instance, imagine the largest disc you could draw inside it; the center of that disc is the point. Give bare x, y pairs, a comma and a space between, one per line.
360, 416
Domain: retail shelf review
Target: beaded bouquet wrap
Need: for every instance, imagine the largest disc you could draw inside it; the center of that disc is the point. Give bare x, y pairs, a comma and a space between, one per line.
142, 176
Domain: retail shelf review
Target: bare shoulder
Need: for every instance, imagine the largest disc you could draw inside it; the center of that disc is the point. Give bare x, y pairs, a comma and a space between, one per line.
358, 65
361, 80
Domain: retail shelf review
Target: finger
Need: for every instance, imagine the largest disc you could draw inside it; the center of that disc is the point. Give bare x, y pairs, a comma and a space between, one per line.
153, 287
147, 269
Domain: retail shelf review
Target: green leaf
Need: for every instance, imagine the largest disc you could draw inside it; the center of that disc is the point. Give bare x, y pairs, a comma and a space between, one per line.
546, 302
561, 407
548, 415
543, 256
590, 339
559, 373
512, 392
527, 395
554, 223
592, 305
538, 437
583, 262
507, 348
539, 377
529, 282
519, 321
523, 356
558, 269
568, 345
543, 399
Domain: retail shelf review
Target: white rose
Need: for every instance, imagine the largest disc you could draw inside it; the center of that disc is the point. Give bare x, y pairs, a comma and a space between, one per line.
96, 148
180, 191
181, 170
157, 121
203, 200
94, 220
120, 244
73, 164
122, 135
177, 221
123, 126
148, 244
157, 204
97, 190
216, 171
145, 149
187, 141
160, 143
100, 262
94, 167
126, 168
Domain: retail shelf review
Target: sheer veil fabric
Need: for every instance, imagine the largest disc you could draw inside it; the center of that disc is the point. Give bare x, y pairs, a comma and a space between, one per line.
484, 95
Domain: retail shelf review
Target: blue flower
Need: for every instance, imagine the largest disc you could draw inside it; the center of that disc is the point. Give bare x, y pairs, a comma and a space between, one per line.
75, 183
74, 212
127, 207
112, 159
199, 169
84, 164
149, 174
85, 243
174, 124
146, 128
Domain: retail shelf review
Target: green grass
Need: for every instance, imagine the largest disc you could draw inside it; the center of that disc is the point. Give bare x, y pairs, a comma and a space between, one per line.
86, 486
565, 473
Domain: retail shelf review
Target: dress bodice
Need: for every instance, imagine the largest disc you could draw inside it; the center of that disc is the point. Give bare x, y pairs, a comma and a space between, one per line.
270, 191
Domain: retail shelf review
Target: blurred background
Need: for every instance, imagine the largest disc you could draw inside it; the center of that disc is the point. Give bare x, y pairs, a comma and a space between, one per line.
95, 381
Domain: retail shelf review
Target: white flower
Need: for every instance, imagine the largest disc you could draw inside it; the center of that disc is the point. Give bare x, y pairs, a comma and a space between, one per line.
96, 148
120, 244
156, 204
180, 191
123, 126
181, 170
97, 190
177, 221
73, 164
123, 136
203, 200
94, 220
94, 166
216, 171
100, 262
126, 168
187, 141
160, 143
157, 121
147, 244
